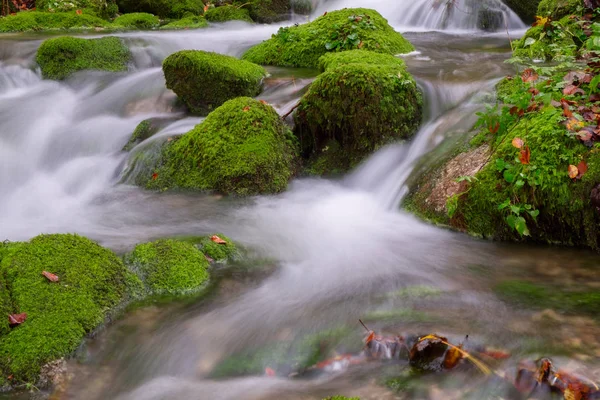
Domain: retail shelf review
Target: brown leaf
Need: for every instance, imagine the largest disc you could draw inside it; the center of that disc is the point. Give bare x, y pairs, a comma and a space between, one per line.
529, 75
582, 167
572, 89
573, 171
574, 76
566, 109
453, 357
17, 319
51, 277
585, 134
525, 155
209, 259
534, 91
79, 12
494, 128
264, 102
518, 142
154, 176
555, 103
217, 240
246, 109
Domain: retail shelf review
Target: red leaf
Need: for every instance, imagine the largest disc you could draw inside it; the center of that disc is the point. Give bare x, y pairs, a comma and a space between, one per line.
269, 372
154, 176
525, 155
529, 75
494, 129
217, 240
572, 89
534, 91
79, 12
582, 167
566, 109
51, 277
17, 319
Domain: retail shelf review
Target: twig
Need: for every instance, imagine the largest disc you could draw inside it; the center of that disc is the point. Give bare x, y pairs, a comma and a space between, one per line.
508, 34
291, 111
362, 323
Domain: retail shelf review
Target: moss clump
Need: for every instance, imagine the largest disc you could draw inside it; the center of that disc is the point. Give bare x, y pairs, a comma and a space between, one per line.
186, 23
169, 266
101, 8
216, 251
162, 8
137, 21
145, 129
242, 147
352, 109
38, 21
347, 29
92, 281
333, 60
538, 45
525, 9
559, 8
60, 57
267, 11
227, 13
205, 80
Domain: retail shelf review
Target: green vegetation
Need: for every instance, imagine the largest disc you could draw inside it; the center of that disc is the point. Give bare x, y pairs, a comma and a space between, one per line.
100, 8
227, 13
169, 266
348, 29
553, 40
163, 8
206, 80
60, 57
219, 251
241, 148
361, 102
38, 21
93, 281
267, 11
136, 21
559, 8
186, 23
143, 131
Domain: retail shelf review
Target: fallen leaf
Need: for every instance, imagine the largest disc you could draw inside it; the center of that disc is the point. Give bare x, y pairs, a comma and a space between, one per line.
217, 240
209, 259
541, 21
572, 89
51, 277
264, 102
79, 12
17, 319
529, 75
566, 109
269, 372
574, 125
582, 167
453, 357
154, 176
494, 128
534, 91
247, 108
10, 377
573, 171
525, 155
518, 142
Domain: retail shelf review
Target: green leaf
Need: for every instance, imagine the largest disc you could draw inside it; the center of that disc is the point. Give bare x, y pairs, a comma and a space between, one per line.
534, 213
500, 165
504, 205
529, 41
520, 183
511, 220
521, 226
509, 176
515, 209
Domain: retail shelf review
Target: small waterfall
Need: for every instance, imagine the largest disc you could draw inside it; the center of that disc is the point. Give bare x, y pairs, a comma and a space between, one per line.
453, 15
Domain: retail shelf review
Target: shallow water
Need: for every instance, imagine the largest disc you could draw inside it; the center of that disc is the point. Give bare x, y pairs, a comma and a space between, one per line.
338, 249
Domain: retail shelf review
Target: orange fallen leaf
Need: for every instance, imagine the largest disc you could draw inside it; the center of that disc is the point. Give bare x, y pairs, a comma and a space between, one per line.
50, 276
269, 372
10, 377
217, 240
453, 357
247, 108
566, 110
17, 319
79, 12
583, 168
529, 75
154, 176
518, 142
574, 125
573, 171
525, 155
264, 102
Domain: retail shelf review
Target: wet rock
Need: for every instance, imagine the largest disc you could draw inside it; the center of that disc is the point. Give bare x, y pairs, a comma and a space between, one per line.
490, 20
595, 197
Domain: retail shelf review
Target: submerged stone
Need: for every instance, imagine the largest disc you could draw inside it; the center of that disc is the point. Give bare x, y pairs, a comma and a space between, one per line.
60, 57
205, 80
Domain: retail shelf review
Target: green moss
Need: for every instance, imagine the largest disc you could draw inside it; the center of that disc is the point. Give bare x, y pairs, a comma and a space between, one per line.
333, 60
163, 8
347, 29
38, 21
361, 107
93, 280
525, 9
266, 11
205, 80
186, 23
536, 296
216, 251
99, 8
537, 44
341, 398
227, 13
242, 147
145, 129
559, 8
60, 57
169, 266
136, 21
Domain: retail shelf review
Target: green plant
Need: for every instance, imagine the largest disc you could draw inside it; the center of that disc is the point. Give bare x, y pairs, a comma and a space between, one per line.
347, 36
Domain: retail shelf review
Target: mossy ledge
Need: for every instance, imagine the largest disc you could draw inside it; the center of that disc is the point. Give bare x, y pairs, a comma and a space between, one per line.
205, 80
241, 148
46, 21
363, 101
60, 57
347, 29
227, 13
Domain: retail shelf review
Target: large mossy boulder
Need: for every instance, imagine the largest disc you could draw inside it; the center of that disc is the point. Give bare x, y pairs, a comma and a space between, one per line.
42, 21
186, 23
268, 11
362, 101
162, 8
536, 44
241, 148
227, 13
136, 21
559, 8
347, 29
525, 9
60, 57
169, 266
93, 281
205, 80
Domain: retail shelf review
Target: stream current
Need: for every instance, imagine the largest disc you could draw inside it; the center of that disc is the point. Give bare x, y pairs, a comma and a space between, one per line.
339, 248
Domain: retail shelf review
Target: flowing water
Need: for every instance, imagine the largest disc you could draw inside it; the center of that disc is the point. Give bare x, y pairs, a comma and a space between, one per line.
336, 250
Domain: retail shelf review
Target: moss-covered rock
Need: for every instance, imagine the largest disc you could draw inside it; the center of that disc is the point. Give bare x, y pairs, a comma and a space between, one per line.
205, 80
40, 21
145, 129
93, 280
136, 21
60, 57
227, 13
361, 102
219, 252
101, 8
242, 147
559, 8
267, 11
347, 29
525, 9
186, 23
162, 8
538, 45
169, 266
